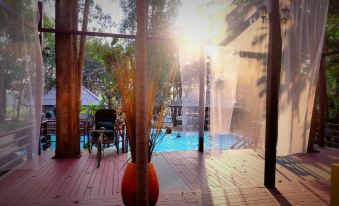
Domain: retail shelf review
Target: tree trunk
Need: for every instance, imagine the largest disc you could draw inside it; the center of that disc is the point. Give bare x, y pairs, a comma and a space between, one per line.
3, 95
81, 58
18, 108
109, 99
67, 88
272, 99
141, 110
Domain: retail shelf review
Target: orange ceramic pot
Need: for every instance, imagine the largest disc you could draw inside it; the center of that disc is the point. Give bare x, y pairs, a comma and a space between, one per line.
128, 185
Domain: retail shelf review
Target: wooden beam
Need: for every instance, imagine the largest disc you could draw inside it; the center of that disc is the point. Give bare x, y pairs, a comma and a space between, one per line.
88, 33
272, 99
103, 34
141, 110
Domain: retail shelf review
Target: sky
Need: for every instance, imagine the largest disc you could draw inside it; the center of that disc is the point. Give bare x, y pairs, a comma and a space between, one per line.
111, 7
194, 21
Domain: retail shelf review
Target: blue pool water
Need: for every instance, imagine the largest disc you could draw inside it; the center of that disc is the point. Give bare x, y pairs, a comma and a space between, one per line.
190, 141
186, 141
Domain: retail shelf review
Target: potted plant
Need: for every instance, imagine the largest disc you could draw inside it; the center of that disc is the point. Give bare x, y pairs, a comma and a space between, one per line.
158, 99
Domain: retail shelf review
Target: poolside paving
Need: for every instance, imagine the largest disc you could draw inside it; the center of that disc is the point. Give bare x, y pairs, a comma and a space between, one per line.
227, 177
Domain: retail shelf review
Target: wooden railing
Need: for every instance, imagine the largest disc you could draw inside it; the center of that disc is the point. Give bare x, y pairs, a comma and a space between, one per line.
332, 135
15, 147
48, 129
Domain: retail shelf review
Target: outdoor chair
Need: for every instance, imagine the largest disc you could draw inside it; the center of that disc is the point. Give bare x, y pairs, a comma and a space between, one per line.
104, 126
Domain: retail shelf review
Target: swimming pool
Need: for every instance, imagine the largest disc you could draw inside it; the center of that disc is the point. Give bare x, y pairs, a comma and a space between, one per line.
190, 141
187, 141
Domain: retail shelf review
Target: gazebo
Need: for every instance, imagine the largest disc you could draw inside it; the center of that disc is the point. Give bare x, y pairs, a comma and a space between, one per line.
87, 98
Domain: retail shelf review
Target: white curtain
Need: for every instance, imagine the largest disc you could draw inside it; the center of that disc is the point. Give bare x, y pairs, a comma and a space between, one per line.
21, 84
236, 42
303, 33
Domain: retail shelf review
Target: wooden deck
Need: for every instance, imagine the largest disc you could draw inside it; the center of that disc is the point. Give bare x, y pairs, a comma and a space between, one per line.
229, 177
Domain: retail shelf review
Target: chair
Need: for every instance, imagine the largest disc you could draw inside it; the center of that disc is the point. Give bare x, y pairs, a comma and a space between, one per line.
104, 121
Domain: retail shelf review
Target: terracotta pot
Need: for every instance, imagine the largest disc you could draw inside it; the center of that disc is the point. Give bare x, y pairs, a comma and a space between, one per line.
128, 185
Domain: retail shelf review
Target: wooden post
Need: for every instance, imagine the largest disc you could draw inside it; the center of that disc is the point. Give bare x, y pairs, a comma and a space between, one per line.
38, 78
322, 102
310, 145
321, 86
141, 110
41, 20
201, 100
272, 99
3, 95
67, 102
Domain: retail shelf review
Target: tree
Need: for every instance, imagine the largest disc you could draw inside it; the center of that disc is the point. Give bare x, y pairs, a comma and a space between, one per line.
48, 54
332, 62
14, 58
97, 20
161, 17
108, 56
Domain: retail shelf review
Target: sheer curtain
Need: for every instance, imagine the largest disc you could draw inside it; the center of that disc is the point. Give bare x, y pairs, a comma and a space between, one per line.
21, 84
236, 50
303, 33
236, 54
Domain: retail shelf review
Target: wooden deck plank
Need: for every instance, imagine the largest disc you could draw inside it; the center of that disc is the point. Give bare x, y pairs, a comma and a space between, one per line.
75, 177
229, 177
110, 179
31, 182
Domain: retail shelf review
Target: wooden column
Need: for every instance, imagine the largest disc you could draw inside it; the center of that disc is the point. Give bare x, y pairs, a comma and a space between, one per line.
141, 110
201, 100
67, 80
272, 99
3, 95
321, 93
41, 21
310, 145
38, 79
322, 102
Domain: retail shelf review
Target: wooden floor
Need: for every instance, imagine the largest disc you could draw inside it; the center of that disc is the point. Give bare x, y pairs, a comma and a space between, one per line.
229, 177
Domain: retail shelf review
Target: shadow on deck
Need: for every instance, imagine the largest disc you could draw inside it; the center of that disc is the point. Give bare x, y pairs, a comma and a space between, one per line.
231, 177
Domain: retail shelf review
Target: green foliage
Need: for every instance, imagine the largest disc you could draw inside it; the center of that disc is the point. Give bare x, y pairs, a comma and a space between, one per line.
332, 62
16, 58
108, 56
161, 15
91, 109
98, 21
48, 54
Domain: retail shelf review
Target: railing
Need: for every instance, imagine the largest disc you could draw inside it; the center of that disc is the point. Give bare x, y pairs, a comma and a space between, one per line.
15, 147
332, 135
48, 129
